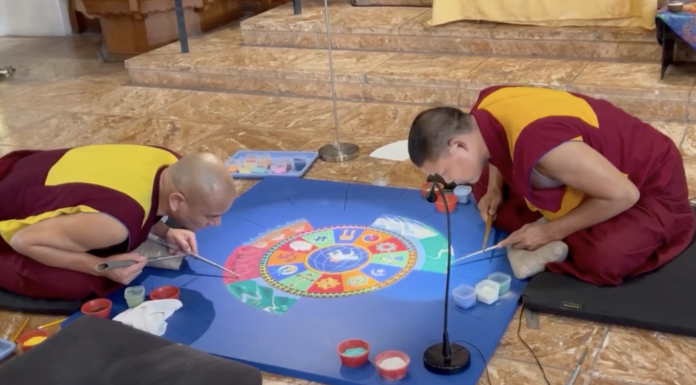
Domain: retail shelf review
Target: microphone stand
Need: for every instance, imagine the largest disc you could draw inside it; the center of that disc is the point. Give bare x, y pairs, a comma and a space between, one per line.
445, 358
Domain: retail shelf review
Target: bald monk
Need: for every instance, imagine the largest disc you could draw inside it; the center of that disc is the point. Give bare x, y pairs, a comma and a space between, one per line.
65, 211
558, 168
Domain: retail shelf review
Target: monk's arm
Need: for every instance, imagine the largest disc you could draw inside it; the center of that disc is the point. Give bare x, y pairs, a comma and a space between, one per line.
495, 179
63, 241
580, 166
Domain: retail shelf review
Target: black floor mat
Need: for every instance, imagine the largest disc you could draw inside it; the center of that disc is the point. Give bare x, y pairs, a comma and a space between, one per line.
659, 301
13, 302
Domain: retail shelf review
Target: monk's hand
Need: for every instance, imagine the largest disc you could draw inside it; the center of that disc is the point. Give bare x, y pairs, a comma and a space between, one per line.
125, 275
530, 237
185, 240
488, 205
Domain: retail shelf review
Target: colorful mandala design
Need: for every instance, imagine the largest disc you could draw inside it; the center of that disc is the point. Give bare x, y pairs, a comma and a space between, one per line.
338, 261
281, 266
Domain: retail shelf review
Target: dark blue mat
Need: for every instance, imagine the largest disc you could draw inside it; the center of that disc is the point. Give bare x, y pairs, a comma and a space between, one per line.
322, 262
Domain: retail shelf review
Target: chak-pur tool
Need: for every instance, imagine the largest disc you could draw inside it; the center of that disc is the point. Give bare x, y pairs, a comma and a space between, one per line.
164, 243
104, 266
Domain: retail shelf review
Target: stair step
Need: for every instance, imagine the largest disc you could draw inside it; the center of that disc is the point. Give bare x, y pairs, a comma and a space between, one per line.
406, 29
217, 62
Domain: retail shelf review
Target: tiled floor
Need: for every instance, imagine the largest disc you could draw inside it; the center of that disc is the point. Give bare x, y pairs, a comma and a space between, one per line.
63, 96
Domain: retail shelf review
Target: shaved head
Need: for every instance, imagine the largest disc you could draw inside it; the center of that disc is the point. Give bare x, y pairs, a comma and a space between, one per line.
202, 190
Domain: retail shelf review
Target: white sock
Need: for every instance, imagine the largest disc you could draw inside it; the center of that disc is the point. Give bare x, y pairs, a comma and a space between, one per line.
527, 263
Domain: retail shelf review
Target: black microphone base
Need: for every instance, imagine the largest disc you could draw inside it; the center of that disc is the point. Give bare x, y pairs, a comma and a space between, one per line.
434, 361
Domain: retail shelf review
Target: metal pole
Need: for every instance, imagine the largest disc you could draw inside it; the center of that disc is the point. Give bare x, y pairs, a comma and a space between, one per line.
297, 6
336, 152
183, 37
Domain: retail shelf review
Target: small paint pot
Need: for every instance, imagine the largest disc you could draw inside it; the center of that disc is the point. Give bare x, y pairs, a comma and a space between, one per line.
234, 165
134, 296
30, 339
100, 307
464, 296
462, 193
425, 189
501, 279
299, 163
165, 292
392, 365
264, 160
348, 357
259, 169
451, 202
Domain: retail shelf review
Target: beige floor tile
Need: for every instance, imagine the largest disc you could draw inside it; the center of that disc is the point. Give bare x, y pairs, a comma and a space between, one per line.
132, 101
424, 70
380, 119
59, 69
213, 107
67, 129
405, 174
228, 140
16, 120
349, 66
688, 146
520, 71
636, 80
295, 114
690, 169
560, 342
274, 379
61, 96
362, 169
7, 149
420, 26
509, 372
676, 132
12, 88
175, 134
647, 357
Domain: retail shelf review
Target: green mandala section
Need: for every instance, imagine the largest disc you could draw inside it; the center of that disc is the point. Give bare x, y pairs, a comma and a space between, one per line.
260, 296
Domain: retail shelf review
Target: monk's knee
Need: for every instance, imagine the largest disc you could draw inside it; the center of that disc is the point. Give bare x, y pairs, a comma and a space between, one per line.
607, 262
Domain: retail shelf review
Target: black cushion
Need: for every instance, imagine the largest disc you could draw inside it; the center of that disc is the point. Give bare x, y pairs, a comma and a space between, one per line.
92, 351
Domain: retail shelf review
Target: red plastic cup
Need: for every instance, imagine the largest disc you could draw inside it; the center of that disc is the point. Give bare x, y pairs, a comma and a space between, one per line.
165, 292
100, 307
392, 374
353, 361
451, 201
425, 189
22, 340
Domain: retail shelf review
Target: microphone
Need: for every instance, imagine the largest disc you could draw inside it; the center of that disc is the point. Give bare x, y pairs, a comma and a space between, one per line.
445, 358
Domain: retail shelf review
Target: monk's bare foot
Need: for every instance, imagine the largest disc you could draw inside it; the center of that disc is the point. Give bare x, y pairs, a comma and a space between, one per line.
528, 263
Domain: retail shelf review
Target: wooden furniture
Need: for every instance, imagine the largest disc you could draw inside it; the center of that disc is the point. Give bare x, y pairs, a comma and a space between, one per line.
133, 27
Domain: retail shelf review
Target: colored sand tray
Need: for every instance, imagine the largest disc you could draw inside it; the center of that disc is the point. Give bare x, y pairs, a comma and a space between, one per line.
323, 262
259, 164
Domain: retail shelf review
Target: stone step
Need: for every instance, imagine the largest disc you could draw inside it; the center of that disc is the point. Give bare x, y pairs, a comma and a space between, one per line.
218, 62
406, 29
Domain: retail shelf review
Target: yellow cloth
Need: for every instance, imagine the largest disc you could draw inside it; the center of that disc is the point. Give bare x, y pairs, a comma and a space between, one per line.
551, 13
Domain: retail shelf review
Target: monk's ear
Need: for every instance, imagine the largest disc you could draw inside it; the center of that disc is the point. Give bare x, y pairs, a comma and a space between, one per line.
175, 200
458, 142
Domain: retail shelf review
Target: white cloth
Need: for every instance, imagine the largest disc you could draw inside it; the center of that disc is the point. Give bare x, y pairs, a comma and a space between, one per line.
150, 316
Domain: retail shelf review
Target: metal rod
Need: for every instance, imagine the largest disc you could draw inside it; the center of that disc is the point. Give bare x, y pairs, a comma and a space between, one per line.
475, 253
331, 72
164, 243
181, 24
297, 5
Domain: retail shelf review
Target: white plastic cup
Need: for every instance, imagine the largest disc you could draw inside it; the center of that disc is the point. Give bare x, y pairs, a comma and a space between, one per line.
462, 193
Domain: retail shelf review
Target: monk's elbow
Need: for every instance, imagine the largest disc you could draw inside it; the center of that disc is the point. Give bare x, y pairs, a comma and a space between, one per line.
20, 242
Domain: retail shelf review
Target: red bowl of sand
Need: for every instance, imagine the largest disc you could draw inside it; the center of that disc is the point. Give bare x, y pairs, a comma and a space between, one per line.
30, 339
354, 353
392, 365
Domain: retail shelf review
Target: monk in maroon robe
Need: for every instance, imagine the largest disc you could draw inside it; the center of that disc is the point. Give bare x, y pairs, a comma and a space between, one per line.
65, 211
610, 186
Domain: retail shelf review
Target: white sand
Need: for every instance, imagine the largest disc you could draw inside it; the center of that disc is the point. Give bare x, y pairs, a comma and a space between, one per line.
392, 363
